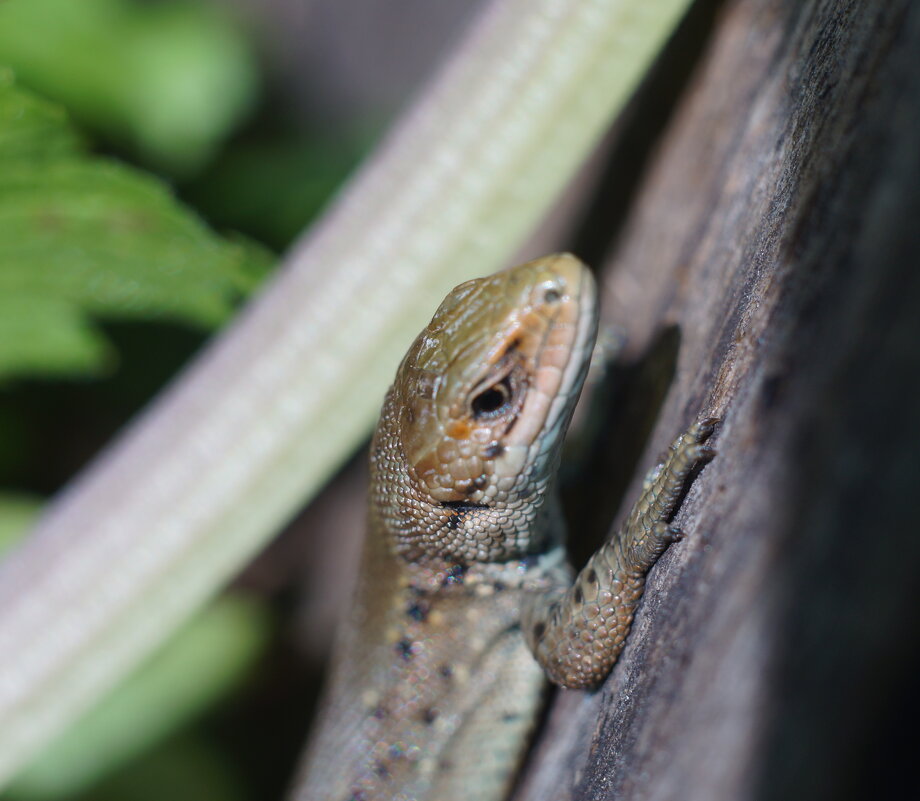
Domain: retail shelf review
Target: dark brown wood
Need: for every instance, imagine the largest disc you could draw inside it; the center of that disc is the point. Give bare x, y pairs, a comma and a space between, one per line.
778, 225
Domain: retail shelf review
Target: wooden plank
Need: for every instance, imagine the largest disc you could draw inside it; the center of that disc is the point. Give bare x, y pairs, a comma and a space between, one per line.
777, 227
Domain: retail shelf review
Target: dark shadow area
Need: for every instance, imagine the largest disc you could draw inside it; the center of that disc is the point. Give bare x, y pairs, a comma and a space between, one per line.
263, 730
623, 409
51, 429
844, 700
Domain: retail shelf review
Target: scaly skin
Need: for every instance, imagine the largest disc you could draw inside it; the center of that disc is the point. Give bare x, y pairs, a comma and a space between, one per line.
433, 686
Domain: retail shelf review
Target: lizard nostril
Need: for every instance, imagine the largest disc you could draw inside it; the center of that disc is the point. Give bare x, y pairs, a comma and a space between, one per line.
549, 291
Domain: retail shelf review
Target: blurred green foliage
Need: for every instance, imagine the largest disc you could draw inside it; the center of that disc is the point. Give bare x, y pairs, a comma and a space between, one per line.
83, 237
198, 665
166, 79
108, 283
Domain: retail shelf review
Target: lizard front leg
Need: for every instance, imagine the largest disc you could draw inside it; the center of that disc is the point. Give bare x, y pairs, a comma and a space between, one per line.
577, 634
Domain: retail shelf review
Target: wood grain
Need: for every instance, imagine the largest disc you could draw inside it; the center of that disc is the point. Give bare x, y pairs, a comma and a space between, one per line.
777, 227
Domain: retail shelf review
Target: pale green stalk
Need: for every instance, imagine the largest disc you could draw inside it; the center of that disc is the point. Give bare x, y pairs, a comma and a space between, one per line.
179, 503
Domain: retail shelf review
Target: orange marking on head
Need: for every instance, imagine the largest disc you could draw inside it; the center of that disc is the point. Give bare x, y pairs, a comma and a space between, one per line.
458, 429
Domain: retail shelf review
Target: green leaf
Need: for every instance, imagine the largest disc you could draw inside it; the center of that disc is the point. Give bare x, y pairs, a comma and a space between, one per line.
82, 237
200, 664
46, 336
168, 79
17, 513
30, 128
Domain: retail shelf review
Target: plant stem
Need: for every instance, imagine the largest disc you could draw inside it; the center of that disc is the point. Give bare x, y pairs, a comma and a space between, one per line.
250, 431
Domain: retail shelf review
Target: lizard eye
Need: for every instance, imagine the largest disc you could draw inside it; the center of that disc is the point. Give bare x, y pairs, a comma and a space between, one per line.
492, 401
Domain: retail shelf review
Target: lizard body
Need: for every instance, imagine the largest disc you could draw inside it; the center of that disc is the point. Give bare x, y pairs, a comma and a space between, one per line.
434, 687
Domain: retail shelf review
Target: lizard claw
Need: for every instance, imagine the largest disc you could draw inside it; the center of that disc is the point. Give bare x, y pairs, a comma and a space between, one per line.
676, 534
701, 429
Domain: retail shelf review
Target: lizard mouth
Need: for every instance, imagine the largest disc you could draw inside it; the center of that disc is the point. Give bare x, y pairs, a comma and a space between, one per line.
464, 506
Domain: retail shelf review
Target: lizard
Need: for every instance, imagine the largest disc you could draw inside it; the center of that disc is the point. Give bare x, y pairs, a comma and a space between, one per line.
466, 603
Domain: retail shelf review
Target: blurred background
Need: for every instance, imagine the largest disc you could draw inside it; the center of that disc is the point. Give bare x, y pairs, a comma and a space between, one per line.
156, 156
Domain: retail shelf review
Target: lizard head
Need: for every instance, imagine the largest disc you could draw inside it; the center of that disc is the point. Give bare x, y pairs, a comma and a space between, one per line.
483, 399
